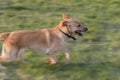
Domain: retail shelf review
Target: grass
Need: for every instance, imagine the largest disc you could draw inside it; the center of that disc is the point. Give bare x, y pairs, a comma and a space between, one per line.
95, 56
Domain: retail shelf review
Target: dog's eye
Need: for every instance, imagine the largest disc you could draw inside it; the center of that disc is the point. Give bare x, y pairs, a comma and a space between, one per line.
79, 25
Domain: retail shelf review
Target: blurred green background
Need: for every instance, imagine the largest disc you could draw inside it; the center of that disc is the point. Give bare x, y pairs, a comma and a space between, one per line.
95, 56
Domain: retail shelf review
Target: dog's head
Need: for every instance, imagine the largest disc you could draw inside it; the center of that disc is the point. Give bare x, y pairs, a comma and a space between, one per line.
74, 26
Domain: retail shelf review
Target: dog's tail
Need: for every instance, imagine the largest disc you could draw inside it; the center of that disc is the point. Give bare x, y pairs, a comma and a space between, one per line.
4, 36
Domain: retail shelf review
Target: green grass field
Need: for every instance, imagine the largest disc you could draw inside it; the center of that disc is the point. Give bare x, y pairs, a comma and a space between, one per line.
95, 56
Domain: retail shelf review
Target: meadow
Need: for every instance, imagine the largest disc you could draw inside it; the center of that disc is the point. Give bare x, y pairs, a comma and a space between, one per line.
95, 56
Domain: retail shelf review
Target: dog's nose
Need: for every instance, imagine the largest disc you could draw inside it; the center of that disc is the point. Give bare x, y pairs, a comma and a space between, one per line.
86, 29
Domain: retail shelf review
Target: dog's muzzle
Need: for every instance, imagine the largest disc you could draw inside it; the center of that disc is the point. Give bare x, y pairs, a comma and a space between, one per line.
80, 32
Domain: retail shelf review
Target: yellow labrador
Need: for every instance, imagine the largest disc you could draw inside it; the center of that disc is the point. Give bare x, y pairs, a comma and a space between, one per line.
47, 40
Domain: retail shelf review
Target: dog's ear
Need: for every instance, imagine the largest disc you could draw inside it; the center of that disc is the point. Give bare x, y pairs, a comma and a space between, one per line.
65, 23
66, 17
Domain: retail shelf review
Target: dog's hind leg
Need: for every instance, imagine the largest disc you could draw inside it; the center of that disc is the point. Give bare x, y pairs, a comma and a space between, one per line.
20, 55
8, 53
4, 55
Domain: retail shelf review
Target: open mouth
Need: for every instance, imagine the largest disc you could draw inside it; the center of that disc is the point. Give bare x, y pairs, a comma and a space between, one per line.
79, 32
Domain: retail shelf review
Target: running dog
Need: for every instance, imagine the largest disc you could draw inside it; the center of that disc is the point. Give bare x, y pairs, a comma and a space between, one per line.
48, 41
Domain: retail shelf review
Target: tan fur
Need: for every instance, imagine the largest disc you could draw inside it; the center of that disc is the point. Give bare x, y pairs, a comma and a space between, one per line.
4, 36
47, 40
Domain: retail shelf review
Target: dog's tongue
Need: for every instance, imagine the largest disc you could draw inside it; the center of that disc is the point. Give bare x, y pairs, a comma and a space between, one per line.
79, 33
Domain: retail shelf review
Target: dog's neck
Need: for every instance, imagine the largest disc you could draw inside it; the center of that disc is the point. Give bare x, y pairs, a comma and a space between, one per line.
66, 34
65, 31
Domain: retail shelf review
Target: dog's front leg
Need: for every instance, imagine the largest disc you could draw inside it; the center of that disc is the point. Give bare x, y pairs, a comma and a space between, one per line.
67, 55
20, 55
52, 58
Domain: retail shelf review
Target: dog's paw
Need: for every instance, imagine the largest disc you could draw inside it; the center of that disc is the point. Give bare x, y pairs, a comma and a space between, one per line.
51, 62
